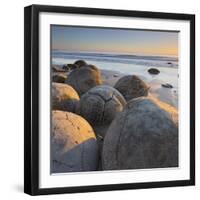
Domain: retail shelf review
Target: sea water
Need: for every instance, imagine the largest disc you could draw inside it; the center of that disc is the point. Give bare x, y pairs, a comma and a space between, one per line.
126, 64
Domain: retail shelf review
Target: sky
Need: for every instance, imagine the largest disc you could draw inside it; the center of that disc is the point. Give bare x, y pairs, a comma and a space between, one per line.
89, 39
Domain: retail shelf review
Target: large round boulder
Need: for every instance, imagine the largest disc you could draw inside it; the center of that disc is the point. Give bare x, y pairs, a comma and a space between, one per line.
93, 67
83, 79
64, 97
101, 104
131, 86
172, 111
144, 135
73, 144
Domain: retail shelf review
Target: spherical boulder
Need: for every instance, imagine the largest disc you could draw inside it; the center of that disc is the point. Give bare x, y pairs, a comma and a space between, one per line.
73, 144
101, 104
80, 63
144, 135
64, 97
131, 86
92, 67
83, 79
171, 110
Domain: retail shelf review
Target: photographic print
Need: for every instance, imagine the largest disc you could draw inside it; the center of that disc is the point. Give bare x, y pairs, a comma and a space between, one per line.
109, 100
114, 99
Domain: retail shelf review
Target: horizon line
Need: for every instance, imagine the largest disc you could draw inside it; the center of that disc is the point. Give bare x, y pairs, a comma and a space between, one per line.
117, 53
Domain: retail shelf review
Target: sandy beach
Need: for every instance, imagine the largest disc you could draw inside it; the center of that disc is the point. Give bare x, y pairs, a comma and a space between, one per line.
167, 95
113, 67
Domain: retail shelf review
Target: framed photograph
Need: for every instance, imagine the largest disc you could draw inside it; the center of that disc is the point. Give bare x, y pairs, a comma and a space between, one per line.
109, 99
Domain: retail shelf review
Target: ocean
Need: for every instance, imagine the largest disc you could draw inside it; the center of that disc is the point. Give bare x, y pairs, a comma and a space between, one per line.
126, 64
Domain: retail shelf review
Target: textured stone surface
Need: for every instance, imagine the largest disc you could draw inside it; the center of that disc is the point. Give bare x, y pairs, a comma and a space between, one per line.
131, 86
57, 68
153, 71
73, 144
83, 79
68, 67
92, 67
167, 85
144, 135
59, 77
64, 97
80, 63
101, 104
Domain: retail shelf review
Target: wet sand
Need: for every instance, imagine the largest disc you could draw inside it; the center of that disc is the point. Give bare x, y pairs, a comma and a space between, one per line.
167, 95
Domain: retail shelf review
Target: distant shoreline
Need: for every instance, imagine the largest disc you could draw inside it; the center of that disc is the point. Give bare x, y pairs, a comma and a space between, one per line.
150, 60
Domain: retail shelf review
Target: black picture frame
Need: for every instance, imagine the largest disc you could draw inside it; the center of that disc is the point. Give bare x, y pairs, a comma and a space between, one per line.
31, 98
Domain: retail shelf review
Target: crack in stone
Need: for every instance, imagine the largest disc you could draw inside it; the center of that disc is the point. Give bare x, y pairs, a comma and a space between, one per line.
106, 100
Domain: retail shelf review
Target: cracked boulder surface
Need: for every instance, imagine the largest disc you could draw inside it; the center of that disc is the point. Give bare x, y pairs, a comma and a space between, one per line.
101, 104
64, 97
59, 77
84, 78
131, 86
144, 135
73, 144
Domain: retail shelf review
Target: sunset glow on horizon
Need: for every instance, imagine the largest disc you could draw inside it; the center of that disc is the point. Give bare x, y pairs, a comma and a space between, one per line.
89, 39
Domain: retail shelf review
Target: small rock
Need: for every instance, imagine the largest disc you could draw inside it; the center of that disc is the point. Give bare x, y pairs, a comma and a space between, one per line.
69, 67
80, 63
59, 78
153, 71
65, 67
57, 68
167, 85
